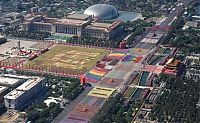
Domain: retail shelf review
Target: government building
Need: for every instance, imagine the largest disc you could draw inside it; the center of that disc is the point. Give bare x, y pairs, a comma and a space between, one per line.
90, 23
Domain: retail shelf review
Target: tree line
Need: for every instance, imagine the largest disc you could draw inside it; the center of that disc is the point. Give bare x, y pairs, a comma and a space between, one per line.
178, 100
116, 109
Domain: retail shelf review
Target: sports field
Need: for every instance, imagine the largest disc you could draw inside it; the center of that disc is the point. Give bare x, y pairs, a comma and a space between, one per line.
69, 57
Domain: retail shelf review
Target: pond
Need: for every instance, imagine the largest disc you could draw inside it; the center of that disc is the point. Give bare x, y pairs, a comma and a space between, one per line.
167, 51
143, 78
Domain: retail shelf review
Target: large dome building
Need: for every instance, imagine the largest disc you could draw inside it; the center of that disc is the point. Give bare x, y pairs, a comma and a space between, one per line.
102, 11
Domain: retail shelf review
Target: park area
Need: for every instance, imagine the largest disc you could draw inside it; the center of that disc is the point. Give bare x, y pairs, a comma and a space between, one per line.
69, 58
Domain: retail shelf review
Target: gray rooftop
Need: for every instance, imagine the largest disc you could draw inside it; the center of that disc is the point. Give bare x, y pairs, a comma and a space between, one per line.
102, 11
3, 88
78, 16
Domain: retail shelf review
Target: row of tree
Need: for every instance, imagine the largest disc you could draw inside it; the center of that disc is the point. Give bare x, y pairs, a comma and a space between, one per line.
3, 40
15, 32
40, 113
177, 102
187, 40
93, 41
116, 109
136, 28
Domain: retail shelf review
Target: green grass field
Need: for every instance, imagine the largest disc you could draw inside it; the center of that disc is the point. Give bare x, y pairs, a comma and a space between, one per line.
136, 80
161, 50
68, 57
129, 92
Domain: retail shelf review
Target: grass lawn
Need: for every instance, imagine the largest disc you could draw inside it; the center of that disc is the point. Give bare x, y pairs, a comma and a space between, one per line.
68, 57
161, 50
136, 80
129, 92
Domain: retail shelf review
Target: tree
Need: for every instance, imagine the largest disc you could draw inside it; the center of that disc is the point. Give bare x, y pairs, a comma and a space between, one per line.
41, 120
141, 116
107, 121
3, 40
32, 115
176, 101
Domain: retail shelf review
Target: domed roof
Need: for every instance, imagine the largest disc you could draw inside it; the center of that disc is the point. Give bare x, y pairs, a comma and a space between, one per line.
102, 11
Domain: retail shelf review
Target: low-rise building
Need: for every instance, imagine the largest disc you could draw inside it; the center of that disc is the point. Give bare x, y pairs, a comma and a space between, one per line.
34, 9
10, 81
193, 66
190, 24
3, 91
174, 67
42, 9
21, 97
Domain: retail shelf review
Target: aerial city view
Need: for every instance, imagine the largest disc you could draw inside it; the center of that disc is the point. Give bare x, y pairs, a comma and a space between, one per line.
99, 61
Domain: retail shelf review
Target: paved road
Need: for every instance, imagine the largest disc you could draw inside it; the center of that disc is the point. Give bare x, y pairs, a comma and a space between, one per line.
69, 107
165, 23
133, 120
174, 13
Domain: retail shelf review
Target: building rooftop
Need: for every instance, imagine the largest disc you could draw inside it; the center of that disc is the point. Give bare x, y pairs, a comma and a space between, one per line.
16, 76
31, 17
3, 88
1, 36
74, 22
8, 81
14, 94
190, 24
193, 57
42, 23
23, 88
98, 26
49, 20
79, 16
150, 40
102, 11
172, 63
29, 84
103, 26
154, 35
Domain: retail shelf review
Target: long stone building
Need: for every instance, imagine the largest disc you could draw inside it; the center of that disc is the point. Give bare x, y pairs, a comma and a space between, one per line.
75, 25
